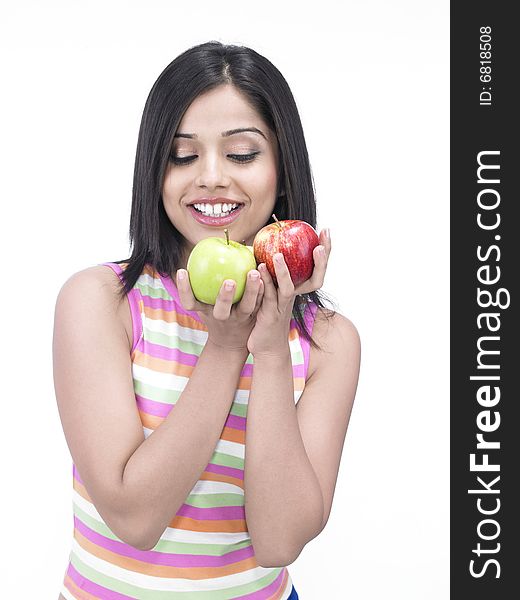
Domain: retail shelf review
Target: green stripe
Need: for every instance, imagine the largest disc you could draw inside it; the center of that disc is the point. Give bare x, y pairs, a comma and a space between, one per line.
170, 547
174, 341
211, 500
151, 292
239, 410
226, 460
94, 524
143, 594
165, 396
154, 393
297, 357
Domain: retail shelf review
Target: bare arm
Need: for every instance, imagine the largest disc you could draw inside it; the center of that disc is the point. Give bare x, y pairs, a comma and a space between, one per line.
293, 452
137, 485
283, 501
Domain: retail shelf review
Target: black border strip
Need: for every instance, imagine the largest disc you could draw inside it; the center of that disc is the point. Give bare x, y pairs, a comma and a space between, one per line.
484, 129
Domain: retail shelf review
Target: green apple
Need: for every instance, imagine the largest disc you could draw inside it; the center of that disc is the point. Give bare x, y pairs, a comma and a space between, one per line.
212, 261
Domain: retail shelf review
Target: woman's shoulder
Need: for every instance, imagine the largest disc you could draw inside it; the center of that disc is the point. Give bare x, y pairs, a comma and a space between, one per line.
93, 291
337, 337
97, 279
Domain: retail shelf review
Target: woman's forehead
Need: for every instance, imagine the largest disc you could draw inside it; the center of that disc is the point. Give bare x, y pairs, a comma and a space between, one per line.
221, 110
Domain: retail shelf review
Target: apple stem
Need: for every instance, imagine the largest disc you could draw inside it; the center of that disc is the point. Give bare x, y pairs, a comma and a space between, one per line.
227, 236
277, 221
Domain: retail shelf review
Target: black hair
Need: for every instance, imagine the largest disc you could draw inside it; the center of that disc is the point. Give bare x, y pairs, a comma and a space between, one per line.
153, 238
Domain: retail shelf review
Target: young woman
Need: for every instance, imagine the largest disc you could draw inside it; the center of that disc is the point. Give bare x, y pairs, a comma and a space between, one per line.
173, 496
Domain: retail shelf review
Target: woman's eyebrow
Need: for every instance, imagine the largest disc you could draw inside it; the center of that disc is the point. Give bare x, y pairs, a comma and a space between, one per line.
193, 136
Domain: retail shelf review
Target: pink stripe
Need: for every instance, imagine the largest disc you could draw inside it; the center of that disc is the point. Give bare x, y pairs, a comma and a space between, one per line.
266, 592
172, 290
162, 410
188, 359
236, 422
163, 558
134, 297
169, 306
171, 354
229, 471
309, 316
217, 513
93, 588
76, 475
185, 358
152, 407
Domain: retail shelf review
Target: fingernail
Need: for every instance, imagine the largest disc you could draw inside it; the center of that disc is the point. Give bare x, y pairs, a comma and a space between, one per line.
254, 276
327, 233
181, 275
229, 285
321, 250
278, 257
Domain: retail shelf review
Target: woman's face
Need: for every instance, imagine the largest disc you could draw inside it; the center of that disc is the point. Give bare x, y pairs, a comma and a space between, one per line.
223, 169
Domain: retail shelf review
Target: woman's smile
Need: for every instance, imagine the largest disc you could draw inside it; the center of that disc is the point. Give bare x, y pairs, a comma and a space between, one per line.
215, 212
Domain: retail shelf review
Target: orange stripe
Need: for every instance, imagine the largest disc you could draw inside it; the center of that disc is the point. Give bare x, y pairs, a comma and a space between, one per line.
171, 366
209, 525
172, 316
293, 334
223, 478
78, 593
149, 568
228, 433
162, 365
150, 421
82, 490
149, 270
233, 435
299, 383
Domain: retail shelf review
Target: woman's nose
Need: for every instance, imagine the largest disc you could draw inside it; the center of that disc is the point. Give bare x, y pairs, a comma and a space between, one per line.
212, 173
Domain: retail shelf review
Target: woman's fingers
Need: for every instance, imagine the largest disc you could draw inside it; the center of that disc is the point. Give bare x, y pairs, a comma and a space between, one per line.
270, 294
283, 278
321, 256
248, 302
188, 300
224, 301
259, 297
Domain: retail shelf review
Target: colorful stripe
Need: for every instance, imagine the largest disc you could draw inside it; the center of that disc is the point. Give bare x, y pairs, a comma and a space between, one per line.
205, 552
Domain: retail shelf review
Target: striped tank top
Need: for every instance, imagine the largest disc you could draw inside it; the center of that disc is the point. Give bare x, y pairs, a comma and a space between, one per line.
205, 553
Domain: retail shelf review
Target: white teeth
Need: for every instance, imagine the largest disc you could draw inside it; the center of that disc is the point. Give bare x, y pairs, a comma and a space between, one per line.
215, 210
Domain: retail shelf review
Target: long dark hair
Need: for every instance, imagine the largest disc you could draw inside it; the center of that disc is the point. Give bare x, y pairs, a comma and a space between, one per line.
153, 238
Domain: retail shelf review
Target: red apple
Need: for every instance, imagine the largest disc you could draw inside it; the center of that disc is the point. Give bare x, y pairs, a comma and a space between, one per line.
295, 240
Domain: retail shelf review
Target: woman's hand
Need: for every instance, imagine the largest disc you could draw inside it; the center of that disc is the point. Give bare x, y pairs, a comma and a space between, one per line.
271, 331
229, 325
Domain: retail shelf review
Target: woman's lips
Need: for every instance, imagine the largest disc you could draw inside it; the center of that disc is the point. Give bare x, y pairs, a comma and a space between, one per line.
214, 221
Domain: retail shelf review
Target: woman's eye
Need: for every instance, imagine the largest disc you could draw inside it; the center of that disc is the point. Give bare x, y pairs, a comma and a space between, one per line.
182, 160
243, 157
240, 158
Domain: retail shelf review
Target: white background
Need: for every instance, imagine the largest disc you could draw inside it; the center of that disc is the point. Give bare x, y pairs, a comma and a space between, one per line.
371, 82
